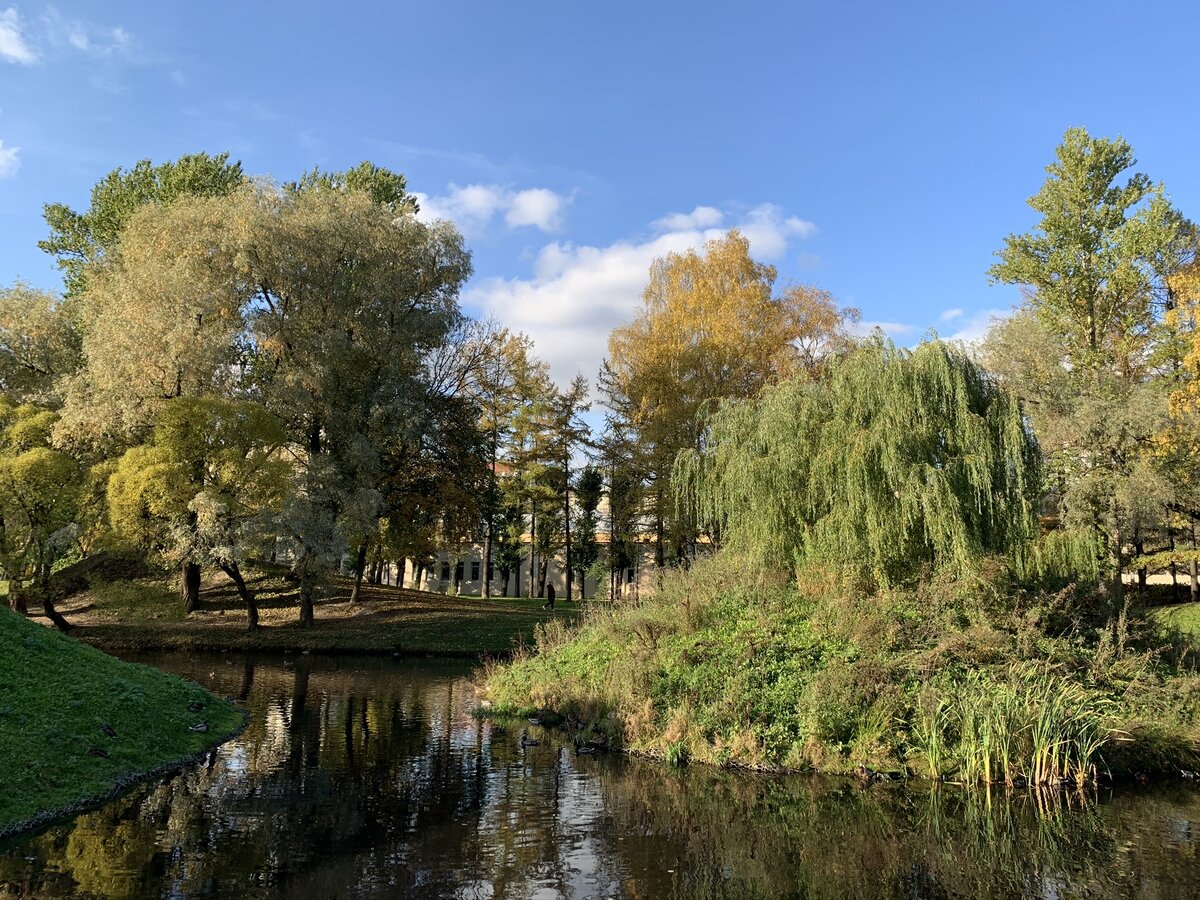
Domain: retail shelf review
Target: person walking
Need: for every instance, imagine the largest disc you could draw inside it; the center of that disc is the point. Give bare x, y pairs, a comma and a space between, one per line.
549, 604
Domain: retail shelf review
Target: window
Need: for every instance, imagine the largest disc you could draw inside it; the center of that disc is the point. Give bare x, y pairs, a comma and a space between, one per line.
445, 571
475, 570
458, 572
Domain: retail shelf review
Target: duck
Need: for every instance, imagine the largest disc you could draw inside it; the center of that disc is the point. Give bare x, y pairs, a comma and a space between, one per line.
535, 720
527, 741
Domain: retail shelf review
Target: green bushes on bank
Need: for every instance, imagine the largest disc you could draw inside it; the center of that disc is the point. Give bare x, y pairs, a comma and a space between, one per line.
726, 665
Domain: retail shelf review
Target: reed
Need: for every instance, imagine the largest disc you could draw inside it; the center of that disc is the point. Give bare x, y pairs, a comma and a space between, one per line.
1032, 724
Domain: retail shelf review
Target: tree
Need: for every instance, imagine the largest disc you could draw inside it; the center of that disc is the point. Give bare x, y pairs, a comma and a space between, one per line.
1096, 271
347, 298
41, 492
79, 240
39, 344
709, 329
895, 466
163, 318
585, 551
1096, 263
204, 489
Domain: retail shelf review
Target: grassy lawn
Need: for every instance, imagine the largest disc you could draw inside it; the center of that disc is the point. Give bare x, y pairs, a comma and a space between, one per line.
147, 614
1184, 616
56, 697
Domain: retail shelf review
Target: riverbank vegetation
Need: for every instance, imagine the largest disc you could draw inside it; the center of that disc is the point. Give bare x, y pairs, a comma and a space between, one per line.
76, 724
924, 553
821, 549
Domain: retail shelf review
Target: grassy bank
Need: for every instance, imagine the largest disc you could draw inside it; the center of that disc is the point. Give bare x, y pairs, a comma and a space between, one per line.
76, 723
146, 614
727, 666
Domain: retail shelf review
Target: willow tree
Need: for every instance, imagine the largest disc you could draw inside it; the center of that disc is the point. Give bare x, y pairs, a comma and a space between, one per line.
893, 466
710, 328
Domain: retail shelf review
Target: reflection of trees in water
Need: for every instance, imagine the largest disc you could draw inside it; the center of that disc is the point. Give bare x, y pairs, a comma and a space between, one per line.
375, 775
734, 836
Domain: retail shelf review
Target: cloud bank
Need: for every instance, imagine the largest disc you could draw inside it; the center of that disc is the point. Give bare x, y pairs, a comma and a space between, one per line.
576, 295
476, 207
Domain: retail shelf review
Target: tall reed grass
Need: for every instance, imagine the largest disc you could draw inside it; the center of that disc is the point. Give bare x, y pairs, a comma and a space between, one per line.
1033, 724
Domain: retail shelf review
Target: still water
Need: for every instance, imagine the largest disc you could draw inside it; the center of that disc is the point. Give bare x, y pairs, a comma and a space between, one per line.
374, 778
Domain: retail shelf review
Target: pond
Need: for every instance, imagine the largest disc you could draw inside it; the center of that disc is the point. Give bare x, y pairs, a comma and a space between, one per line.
374, 778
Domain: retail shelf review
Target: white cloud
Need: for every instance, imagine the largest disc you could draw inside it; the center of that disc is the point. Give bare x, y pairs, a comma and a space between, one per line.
973, 329
13, 47
473, 207
538, 207
98, 40
700, 217
10, 160
895, 330
769, 230
950, 315
577, 294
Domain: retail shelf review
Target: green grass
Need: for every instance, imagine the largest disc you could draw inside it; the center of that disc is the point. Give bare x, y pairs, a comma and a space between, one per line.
146, 614
730, 666
55, 696
1184, 616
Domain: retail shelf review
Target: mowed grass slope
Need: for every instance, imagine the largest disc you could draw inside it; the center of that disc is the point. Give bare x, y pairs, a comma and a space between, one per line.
56, 696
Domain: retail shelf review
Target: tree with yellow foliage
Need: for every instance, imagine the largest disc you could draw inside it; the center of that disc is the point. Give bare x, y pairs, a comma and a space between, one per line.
710, 329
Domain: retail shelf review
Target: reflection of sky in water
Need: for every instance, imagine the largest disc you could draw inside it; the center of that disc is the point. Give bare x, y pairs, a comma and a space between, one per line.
368, 778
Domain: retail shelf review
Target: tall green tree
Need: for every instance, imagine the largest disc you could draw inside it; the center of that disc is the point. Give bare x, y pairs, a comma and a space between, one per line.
80, 239
585, 550
895, 466
1093, 350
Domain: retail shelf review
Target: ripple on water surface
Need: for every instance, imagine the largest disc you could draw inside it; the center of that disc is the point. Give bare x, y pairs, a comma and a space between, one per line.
374, 778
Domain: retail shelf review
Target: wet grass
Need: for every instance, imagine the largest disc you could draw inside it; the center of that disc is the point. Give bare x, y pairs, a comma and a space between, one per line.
62, 702
146, 614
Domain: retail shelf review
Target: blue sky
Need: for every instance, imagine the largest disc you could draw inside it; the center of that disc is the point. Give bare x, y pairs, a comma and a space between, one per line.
879, 150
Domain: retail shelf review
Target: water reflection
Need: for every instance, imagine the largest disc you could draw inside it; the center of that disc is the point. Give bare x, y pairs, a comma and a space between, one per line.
366, 778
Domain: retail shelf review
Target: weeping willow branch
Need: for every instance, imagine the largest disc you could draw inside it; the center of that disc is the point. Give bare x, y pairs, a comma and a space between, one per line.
896, 464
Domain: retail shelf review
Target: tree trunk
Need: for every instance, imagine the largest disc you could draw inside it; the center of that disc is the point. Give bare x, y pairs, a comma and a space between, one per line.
189, 587
16, 599
308, 590
1194, 589
1142, 572
490, 513
1174, 568
399, 573
248, 598
53, 614
567, 526
532, 555
360, 566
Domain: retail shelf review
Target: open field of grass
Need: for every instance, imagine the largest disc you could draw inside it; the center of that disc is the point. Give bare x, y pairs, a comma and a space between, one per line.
76, 723
146, 614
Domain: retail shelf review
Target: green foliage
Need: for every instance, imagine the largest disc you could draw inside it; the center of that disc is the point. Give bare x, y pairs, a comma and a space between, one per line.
41, 497
895, 465
737, 667
205, 485
80, 239
39, 344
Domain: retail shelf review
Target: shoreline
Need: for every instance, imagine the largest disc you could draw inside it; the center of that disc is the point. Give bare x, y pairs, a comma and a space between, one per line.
16, 832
